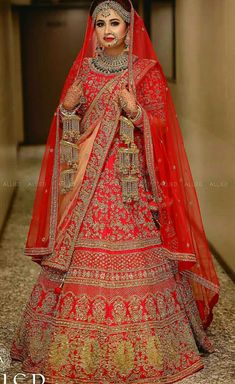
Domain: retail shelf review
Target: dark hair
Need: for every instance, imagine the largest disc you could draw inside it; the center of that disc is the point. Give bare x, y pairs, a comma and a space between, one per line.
124, 3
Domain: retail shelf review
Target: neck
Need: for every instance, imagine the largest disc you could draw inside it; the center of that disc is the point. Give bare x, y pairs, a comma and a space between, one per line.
114, 51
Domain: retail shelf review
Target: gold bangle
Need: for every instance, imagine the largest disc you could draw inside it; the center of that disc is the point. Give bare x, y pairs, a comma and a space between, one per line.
137, 116
66, 112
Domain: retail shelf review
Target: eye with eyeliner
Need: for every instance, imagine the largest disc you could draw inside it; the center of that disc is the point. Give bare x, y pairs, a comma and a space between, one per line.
101, 24
115, 23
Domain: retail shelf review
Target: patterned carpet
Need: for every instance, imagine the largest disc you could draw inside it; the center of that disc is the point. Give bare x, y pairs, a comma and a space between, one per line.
18, 275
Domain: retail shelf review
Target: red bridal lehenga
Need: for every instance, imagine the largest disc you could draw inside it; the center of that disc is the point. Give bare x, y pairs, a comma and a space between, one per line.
126, 288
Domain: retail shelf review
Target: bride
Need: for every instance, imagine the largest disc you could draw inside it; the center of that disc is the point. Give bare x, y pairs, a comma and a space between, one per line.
127, 283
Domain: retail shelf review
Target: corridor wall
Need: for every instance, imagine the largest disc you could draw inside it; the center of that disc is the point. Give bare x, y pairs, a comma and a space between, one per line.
11, 125
204, 94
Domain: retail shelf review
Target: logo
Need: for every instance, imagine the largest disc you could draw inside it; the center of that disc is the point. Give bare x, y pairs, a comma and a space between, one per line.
5, 363
5, 358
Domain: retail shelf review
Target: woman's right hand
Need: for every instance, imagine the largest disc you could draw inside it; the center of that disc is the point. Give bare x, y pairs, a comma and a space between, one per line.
73, 95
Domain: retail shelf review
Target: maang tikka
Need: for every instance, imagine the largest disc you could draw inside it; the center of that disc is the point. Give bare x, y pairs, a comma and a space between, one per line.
105, 7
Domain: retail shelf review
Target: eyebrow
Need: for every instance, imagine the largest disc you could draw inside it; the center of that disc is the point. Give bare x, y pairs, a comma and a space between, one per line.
109, 20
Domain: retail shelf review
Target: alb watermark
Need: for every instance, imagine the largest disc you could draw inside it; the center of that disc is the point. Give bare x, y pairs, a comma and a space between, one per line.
19, 378
5, 364
5, 359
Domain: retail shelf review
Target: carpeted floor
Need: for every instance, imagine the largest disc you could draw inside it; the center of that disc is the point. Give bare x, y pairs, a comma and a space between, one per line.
18, 275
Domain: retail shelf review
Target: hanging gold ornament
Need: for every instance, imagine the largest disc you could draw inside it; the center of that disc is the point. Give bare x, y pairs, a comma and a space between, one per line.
69, 153
71, 127
128, 161
67, 180
126, 130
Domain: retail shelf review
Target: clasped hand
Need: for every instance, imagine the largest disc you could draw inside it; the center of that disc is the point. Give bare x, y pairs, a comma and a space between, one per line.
127, 98
128, 102
73, 95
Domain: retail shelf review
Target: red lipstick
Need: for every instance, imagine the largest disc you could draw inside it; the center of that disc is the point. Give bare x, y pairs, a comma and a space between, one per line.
108, 39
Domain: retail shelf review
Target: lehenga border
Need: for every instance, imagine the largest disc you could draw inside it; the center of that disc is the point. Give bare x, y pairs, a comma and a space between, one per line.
201, 280
165, 380
118, 245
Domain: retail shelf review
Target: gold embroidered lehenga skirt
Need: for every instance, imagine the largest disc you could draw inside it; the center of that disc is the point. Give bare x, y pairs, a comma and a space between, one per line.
123, 315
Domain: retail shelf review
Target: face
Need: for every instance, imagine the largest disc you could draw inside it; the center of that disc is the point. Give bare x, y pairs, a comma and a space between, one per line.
110, 29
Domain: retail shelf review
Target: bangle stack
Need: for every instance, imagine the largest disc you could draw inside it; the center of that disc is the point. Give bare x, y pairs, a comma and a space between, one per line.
66, 112
138, 117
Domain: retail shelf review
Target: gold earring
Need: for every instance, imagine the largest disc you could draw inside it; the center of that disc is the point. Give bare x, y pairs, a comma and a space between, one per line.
127, 42
99, 49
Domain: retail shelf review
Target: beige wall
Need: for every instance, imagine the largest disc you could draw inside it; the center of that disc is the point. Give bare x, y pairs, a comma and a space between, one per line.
205, 99
10, 105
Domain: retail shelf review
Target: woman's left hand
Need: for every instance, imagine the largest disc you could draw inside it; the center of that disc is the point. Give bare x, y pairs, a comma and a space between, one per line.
128, 102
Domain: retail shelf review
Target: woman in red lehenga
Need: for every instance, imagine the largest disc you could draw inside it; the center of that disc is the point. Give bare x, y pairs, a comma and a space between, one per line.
127, 284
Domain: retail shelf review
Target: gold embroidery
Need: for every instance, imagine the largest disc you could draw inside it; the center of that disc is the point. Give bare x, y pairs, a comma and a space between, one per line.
141, 332
66, 305
82, 308
36, 295
109, 223
99, 309
38, 343
49, 302
130, 347
118, 245
62, 254
59, 351
150, 307
123, 356
119, 310
172, 345
90, 358
153, 351
135, 308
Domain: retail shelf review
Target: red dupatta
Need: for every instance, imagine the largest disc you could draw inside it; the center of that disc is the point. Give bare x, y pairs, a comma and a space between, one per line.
172, 183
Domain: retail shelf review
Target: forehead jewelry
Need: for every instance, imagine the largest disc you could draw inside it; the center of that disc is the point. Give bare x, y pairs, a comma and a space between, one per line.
105, 7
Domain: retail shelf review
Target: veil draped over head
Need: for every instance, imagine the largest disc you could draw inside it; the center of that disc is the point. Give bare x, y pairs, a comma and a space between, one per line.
182, 230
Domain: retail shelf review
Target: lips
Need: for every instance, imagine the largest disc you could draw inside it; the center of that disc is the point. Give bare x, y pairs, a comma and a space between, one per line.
108, 39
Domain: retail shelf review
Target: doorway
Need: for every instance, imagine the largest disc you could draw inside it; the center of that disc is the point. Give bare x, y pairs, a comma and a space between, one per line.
50, 40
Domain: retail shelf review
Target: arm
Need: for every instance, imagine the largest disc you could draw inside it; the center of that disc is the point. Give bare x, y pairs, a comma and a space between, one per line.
73, 100
151, 95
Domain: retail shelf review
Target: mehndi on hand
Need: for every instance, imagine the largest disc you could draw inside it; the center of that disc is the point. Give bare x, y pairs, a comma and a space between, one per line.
73, 96
128, 102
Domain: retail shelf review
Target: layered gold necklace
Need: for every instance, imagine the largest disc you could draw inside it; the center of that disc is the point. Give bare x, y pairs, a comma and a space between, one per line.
108, 64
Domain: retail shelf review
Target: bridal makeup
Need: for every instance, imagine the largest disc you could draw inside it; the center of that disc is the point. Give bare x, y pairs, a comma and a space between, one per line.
110, 29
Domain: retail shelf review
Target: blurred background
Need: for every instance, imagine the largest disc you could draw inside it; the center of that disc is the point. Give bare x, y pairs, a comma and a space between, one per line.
195, 43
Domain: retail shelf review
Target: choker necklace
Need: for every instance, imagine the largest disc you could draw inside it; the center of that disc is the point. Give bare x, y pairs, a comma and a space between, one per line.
110, 64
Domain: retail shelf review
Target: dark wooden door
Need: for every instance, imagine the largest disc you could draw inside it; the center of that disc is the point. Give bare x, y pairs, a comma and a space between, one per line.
50, 41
